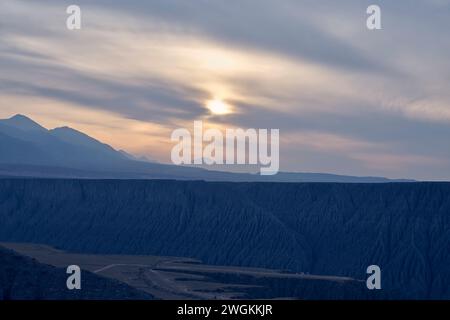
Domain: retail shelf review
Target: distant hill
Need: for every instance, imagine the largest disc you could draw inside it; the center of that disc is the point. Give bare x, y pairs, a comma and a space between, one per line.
23, 123
28, 149
23, 278
181, 278
319, 228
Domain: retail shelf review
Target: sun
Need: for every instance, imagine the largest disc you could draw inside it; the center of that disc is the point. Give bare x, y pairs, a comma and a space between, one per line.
218, 107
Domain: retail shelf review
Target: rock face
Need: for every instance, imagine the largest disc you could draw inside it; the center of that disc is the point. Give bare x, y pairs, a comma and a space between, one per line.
22, 278
328, 229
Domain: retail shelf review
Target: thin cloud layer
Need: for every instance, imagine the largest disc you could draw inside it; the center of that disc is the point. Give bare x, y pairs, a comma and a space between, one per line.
346, 100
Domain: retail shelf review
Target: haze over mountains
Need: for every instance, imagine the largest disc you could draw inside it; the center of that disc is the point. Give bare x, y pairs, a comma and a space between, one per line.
29, 149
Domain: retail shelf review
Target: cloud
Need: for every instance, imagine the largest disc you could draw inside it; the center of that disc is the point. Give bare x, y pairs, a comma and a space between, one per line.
309, 68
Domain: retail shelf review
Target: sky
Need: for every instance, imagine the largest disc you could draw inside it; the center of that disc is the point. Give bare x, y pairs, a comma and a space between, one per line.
346, 99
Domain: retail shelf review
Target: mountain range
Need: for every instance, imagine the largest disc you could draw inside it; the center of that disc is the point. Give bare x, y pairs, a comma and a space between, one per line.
27, 149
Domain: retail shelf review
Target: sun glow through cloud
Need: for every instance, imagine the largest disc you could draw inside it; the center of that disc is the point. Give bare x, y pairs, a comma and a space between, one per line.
218, 107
